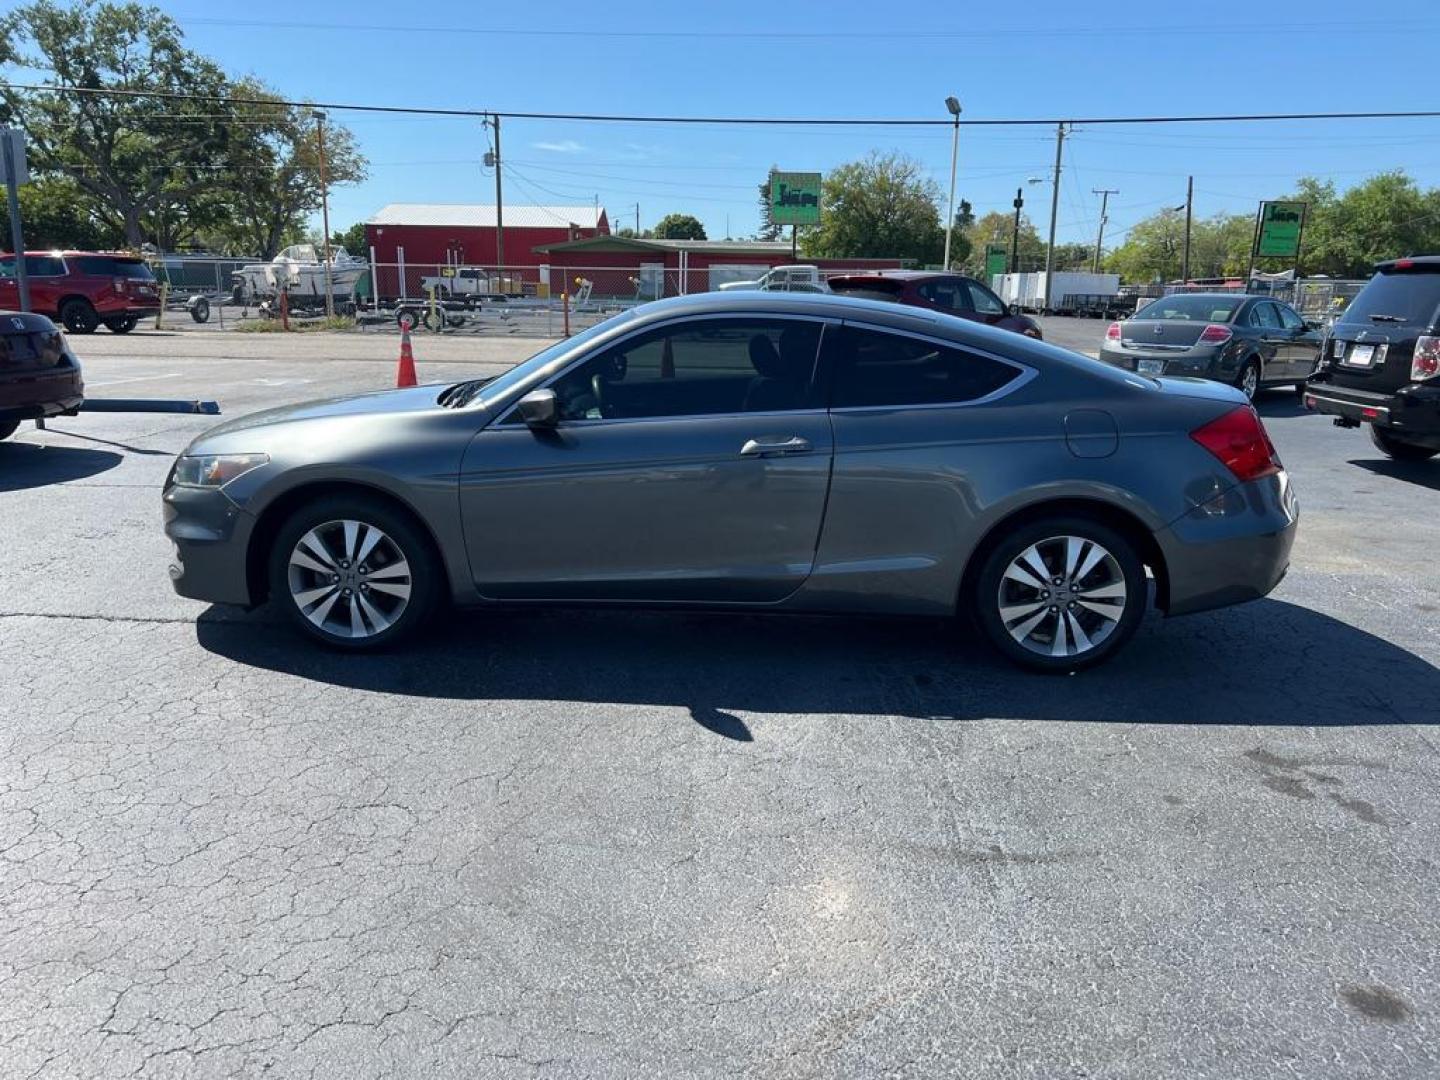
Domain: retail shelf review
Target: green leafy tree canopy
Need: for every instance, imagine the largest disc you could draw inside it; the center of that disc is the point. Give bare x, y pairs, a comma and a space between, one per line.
679, 227
883, 205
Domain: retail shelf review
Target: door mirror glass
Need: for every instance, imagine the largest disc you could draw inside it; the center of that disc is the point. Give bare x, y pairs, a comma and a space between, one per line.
1013, 309
537, 409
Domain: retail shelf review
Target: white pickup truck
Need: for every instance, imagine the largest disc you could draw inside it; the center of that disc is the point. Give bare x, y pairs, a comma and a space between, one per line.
797, 278
469, 282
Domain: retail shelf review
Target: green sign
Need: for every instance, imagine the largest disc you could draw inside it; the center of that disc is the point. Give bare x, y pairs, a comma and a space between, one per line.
795, 198
1280, 224
996, 260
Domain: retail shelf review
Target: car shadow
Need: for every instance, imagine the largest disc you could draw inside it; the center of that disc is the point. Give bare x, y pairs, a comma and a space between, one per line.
1278, 404
1266, 663
1421, 473
25, 465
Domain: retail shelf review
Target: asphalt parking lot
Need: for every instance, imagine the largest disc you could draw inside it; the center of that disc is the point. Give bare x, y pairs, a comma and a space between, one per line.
603, 844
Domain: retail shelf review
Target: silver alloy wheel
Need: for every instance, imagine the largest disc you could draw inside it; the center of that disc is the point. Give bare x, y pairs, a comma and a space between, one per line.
349, 578
1062, 596
1250, 380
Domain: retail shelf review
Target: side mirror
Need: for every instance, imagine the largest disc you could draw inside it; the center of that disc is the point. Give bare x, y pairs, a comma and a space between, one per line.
538, 409
1013, 309
1314, 324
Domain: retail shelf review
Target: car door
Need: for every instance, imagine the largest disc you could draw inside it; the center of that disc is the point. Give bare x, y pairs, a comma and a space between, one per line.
1272, 341
1302, 346
947, 295
9, 289
690, 463
988, 307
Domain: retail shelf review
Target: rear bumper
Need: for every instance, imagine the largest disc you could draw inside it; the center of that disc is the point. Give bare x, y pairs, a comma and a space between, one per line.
1201, 364
1233, 548
211, 537
35, 395
1415, 408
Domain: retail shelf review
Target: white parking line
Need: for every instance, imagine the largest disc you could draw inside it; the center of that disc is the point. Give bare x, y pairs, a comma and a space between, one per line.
137, 378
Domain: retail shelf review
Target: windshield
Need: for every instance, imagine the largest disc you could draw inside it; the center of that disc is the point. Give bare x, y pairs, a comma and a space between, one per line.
1181, 308
499, 387
1408, 298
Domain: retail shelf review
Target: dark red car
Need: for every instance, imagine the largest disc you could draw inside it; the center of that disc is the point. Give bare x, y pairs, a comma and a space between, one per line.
83, 289
954, 294
39, 375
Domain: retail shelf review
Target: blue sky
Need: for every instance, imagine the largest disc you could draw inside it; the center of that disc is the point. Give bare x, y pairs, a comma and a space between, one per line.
1040, 59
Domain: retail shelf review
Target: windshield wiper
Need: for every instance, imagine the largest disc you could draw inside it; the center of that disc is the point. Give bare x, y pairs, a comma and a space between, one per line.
462, 393
1388, 318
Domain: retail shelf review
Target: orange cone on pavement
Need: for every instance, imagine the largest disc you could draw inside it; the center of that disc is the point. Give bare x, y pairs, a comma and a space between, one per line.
405, 373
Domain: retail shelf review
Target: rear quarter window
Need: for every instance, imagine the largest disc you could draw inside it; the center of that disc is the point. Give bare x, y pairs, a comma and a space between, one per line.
1409, 299
874, 368
110, 266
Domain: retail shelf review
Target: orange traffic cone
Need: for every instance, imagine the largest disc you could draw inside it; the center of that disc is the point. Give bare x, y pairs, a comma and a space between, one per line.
405, 373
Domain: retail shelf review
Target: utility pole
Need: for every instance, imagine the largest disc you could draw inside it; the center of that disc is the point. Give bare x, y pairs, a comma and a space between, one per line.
15, 162
499, 203
1054, 210
1189, 208
1104, 194
325, 213
1015, 232
637, 221
952, 104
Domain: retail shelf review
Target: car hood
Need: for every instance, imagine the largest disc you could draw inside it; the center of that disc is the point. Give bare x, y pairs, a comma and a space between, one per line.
256, 432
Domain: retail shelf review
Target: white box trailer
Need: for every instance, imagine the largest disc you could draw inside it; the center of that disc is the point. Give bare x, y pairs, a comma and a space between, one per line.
1067, 287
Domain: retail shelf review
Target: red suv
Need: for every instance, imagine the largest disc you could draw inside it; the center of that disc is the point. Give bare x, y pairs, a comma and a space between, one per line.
82, 289
954, 294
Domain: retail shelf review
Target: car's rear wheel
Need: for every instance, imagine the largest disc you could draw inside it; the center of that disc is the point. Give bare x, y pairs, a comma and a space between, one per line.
354, 573
1060, 594
78, 317
8, 428
1249, 379
122, 324
1397, 448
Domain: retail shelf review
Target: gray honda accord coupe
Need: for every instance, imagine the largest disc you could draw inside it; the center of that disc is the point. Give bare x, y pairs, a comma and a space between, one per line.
756, 452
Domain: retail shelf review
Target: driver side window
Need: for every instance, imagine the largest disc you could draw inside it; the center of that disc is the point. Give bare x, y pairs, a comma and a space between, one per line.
986, 302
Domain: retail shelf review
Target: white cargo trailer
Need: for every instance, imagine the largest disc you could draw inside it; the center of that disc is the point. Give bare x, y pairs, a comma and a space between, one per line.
1068, 287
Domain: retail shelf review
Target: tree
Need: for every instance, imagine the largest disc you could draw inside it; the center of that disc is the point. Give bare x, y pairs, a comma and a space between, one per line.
1383, 217
960, 244
997, 228
352, 240
878, 207
1152, 249
58, 214
130, 155
768, 229
679, 227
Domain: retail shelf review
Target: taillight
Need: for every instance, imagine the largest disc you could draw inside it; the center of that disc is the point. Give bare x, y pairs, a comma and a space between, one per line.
1215, 334
119, 284
1426, 363
1238, 439
1112, 332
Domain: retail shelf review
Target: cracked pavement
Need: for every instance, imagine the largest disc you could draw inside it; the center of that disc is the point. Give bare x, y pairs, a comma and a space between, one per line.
654, 845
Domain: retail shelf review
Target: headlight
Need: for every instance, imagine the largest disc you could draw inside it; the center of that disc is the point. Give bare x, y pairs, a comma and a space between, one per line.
215, 470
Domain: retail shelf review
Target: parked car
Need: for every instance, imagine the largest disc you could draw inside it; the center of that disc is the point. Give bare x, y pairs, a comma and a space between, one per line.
83, 289
39, 375
1381, 364
797, 278
954, 294
754, 452
1249, 342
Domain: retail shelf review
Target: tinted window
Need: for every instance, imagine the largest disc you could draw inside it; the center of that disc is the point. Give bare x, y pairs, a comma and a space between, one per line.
1183, 308
1413, 297
699, 368
865, 293
948, 295
44, 266
498, 387
1289, 319
871, 367
986, 302
111, 266
1265, 316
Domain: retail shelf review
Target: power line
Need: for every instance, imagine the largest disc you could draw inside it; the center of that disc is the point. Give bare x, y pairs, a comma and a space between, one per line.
1218, 118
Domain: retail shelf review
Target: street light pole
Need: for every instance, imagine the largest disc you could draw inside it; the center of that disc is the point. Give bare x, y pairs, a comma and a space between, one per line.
1015, 232
325, 214
953, 104
1104, 194
1054, 211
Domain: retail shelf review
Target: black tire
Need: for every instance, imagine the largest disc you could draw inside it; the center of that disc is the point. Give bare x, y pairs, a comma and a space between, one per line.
1109, 632
122, 324
200, 310
1250, 365
1397, 448
78, 317
8, 428
401, 536
403, 313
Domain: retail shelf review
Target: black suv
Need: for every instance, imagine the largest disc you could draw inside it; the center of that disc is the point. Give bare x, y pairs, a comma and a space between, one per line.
1381, 363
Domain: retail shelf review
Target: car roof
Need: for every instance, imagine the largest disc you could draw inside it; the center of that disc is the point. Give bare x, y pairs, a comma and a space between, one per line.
1212, 296
899, 275
1426, 261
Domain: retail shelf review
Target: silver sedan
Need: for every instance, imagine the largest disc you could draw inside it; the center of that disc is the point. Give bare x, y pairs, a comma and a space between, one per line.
758, 452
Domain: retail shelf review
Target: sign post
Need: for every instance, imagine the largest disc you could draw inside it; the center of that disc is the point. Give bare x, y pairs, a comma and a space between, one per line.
795, 201
12, 159
1278, 229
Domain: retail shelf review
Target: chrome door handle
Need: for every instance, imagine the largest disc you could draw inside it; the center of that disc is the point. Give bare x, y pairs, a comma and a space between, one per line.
764, 447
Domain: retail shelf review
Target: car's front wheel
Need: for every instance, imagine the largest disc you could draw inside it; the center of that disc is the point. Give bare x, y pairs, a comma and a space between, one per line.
1060, 594
1393, 446
354, 573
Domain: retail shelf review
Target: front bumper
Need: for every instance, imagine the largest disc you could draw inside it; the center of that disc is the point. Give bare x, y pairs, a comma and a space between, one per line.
1414, 409
212, 538
1233, 548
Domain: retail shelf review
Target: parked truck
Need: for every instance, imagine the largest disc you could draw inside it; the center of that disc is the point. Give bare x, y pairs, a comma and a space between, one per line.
796, 278
1071, 291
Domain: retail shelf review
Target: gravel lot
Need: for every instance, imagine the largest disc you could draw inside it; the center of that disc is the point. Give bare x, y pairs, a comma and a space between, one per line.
655, 845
